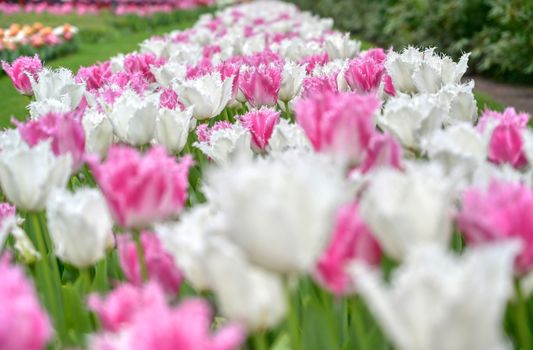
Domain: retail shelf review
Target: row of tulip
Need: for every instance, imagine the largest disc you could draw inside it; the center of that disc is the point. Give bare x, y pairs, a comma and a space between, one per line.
123, 7
259, 182
45, 41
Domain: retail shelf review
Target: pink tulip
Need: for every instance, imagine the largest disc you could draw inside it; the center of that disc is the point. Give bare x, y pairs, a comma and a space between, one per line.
204, 67
169, 99
319, 85
339, 123
351, 241
142, 63
203, 131
231, 69
95, 76
142, 189
24, 324
383, 150
506, 144
122, 305
6, 211
502, 211
65, 131
260, 85
365, 73
20, 72
152, 324
159, 264
314, 61
261, 124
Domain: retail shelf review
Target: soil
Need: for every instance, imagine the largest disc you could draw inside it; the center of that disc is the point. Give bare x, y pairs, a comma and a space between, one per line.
520, 97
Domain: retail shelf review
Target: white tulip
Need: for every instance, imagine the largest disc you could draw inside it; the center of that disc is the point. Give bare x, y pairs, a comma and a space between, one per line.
227, 144
187, 240
407, 209
282, 236
209, 95
44, 107
412, 119
27, 175
440, 301
254, 44
423, 71
172, 128
292, 79
80, 225
288, 136
461, 102
166, 74
245, 293
133, 117
340, 46
117, 63
98, 132
185, 54
459, 148
58, 85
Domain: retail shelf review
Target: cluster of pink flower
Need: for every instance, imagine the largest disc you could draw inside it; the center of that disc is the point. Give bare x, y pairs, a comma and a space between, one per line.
299, 155
120, 7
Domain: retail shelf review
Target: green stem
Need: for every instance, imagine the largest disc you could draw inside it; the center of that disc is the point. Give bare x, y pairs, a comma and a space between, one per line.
260, 341
140, 255
293, 319
51, 294
359, 324
288, 112
521, 318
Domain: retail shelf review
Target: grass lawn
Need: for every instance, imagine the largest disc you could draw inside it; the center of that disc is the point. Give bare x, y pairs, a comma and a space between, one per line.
13, 104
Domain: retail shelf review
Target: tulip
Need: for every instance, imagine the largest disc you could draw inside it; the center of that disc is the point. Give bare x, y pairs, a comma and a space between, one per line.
142, 189
338, 123
98, 133
288, 136
20, 71
340, 46
172, 128
24, 323
65, 132
208, 94
412, 119
383, 151
407, 209
226, 144
246, 293
458, 148
469, 293
133, 118
187, 242
500, 212
261, 85
506, 143
159, 264
80, 226
28, 175
424, 72
148, 322
58, 85
261, 124
287, 238
351, 240
292, 80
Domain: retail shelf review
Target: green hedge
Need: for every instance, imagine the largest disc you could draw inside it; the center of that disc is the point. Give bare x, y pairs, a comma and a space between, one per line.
499, 33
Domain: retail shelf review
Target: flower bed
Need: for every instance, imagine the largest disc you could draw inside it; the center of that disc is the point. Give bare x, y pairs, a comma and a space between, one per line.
320, 196
33, 39
123, 7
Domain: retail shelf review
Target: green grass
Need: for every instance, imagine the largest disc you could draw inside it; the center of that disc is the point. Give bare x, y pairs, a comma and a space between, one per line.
12, 104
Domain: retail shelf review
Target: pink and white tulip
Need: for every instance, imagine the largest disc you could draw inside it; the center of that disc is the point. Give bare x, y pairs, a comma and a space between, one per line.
142, 189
